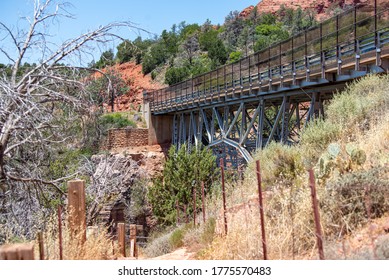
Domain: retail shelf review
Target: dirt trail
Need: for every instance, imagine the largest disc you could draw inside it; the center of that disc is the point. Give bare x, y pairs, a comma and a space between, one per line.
179, 254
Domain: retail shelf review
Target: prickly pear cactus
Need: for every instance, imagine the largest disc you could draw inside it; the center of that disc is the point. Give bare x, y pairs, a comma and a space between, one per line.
325, 165
333, 150
357, 156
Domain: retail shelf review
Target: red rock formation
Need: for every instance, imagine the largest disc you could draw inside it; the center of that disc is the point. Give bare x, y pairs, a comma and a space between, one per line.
132, 75
246, 12
320, 6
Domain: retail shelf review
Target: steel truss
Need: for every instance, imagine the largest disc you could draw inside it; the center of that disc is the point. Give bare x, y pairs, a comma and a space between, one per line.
235, 131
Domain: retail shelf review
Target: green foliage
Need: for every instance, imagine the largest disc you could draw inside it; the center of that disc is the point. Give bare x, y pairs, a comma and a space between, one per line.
318, 135
176, 238
170, 40
115, 120
105, 88
126, 51
156, 55
268, 34
235, 56
297, 20
280, 163
106, 59
209, 231
200, 65
175, 75
339, 161
66, 162
189, 30
349, 197
268, 19
218, 54
182, 173
207, 39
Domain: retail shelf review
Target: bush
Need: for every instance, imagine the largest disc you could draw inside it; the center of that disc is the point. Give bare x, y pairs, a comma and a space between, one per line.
279, 163
115, 120
159, 246
176, 238
235, 56
175, 75
183, 172
346, 199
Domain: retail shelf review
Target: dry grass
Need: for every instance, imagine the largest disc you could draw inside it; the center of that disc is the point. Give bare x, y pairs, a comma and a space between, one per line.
358, 116
98, 246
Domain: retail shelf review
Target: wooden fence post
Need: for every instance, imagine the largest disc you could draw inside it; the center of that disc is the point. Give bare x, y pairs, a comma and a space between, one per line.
17, 252
133, 248
122, 238
77, 216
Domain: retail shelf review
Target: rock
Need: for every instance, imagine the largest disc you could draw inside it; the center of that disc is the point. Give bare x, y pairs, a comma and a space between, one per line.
320, 6
151, 155
386, 226
137, 157
246, 12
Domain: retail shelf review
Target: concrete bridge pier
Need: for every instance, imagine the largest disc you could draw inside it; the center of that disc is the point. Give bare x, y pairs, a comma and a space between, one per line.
160, 128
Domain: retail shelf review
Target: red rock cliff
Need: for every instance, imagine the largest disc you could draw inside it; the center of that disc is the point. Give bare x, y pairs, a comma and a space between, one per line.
320, 6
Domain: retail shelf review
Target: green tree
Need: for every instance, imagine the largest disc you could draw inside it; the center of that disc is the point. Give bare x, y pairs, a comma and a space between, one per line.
106, 59
235, 56
126, 51
218, 54
156, 56
269, 34
175, 75
183, 173
107, 87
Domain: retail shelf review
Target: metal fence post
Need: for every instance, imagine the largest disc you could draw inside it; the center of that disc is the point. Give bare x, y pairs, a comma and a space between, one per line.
315, 206
259, 180
224, 197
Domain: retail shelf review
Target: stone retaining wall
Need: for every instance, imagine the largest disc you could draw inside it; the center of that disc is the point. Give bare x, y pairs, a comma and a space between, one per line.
126, 137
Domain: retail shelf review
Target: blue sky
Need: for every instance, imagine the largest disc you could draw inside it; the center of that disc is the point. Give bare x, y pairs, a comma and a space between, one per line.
151, 15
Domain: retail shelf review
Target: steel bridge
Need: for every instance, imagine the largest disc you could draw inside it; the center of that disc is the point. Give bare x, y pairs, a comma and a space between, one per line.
272, 94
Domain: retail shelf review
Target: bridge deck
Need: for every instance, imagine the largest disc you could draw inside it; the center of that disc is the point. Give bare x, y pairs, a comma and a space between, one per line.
322, 58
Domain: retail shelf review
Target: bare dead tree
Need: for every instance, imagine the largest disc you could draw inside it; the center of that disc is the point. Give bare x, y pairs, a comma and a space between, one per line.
111, 180
40, 106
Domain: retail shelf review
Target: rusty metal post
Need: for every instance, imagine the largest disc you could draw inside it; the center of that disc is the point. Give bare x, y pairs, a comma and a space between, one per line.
315, 206
194, 206
41, 246
203, 200
178, 212
261, 213
224, 196
122, 238
60, 232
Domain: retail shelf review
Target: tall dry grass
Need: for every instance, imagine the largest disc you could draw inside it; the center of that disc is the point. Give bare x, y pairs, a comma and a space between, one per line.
98, 245
358, 116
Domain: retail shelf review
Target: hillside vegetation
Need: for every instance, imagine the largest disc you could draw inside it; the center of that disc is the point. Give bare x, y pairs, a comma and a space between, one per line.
188, 50
349, 151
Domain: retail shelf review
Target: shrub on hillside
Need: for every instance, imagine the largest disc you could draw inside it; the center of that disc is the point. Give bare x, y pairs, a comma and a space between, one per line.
350, 199
115, 120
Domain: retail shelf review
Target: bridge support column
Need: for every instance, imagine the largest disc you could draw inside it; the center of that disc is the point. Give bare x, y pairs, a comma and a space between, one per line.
160, 129
285, 121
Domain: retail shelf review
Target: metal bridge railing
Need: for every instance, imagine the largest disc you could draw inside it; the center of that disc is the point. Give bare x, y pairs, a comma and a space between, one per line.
344, 39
